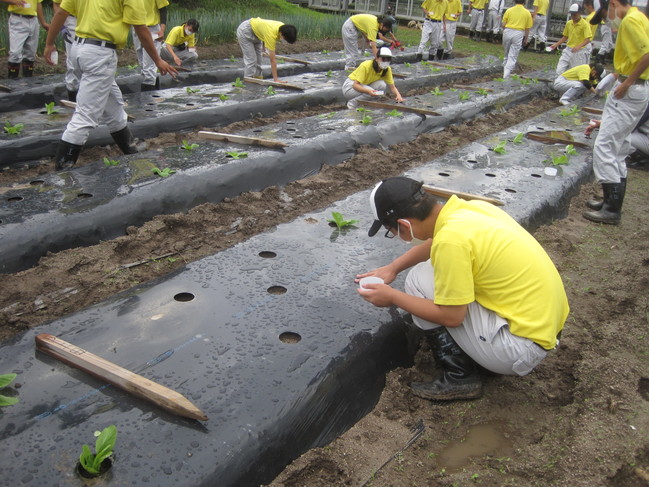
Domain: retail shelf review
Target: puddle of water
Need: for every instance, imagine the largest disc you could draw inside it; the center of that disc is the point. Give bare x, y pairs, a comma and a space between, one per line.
480, 440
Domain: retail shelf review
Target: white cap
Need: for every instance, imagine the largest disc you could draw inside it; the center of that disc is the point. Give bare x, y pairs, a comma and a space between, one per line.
574, 8
385, 52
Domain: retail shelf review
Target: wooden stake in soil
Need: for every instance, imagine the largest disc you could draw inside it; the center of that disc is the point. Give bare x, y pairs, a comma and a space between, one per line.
126, 380
447, 193
267, 82
394, 106
446, 65
595, 111
290, 59
240, 139
549, 139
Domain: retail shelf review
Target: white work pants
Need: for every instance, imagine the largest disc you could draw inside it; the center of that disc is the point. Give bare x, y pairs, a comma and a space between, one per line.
571, 59
147, 66
612, 144
569, 89
639, 139
99, 100
68, 33
483, 335
449, 36
352, 96
607, 39
512, 43
23, 38
494, 21
251, 48
350, 42
185, 55
431, 33
477, 19
538, 28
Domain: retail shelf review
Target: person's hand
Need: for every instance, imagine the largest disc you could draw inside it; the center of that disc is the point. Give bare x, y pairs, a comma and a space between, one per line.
575, 49
400, 99
386, 273
379, 295
177, 61
375, 93
277, 80
47, 53
620, 91
165, 68
594, 124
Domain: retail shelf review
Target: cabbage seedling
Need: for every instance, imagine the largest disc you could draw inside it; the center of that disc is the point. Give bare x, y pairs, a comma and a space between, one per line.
574, 110
232, 59
110, 162
238, 83
464, 95
518, 138
324, 51
366, 120
394, 113
561, 160
363, 110
338, 219
270, 90
570, 150
5, 380
500, 147
190, 90
329, 74
437, 91
482, 92
407, 65
237, 155
223, 97
500, 80
132, 66
103, 449
165, 173
13, 129
50, 108
187, 146
433, 69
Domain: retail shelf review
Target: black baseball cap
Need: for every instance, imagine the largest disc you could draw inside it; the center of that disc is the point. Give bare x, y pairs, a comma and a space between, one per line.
391, 198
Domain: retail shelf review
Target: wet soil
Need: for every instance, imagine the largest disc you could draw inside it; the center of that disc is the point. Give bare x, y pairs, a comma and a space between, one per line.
580, 419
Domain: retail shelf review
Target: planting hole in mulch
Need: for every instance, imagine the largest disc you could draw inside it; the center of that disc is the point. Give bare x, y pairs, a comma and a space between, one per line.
276, 290
184, 297
289, 337
106, 465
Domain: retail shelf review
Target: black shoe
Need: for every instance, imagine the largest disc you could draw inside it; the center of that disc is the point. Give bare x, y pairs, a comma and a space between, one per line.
597, 203
28, 68
66, 155
439, 55
72, 95
460, 379
13, 70
144, 87
124, 141
611, 211
419, 56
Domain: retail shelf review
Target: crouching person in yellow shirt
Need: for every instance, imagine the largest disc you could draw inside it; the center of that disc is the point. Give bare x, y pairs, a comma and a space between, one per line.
574, 82
180, 44
371, 79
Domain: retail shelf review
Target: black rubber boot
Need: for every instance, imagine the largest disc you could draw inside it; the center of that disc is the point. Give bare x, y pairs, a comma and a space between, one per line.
596, 204
439, 55
478, 36
144, 87
28, 68
66, 155
611, 212
471, 33
460, 379
13, 70
72, 95
541, 47
490, 37
124, 141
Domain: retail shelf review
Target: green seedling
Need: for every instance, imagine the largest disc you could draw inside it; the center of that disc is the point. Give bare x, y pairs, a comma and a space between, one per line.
340, 222
324, 51
433, 69
525, 81
500, 147
515, 77
110, 162
233, 59
535, 81
132, 66
518, 138
165, 173
190, 90
574, 110
187, 146
281, 61
103, 449
451, 68
453, 89
407, 65
561, 160
13, 129
366, 120
329, 74
50, 108
237, 155
394, 113
570, 150
424, 63
500, 80
5, 380
464, 95
270, 90
366, 54
437, 91
328, 115
482, 92
363, 110
223, 97
238, 83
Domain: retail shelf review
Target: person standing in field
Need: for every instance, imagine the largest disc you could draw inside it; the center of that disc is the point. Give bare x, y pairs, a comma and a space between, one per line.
625, 105
452, 15
180, 45
156, 21
102, 27
517, 22
255, 34
24, 19
494, 19
590, 13
366, 25
68, 34
540, 22
476, 11
576, 35
431, 32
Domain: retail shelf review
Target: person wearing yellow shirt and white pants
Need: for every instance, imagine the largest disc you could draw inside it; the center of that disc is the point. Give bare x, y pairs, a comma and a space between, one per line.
480, 287
589, 8
576, 81
540, 20
517, 22
102, 27
625, 105
68, 33
494, 19
366, 25
431, 32
24, 17
476, 11
371, 79
156, 21
255, 34
576, 35
180, 45
452, 15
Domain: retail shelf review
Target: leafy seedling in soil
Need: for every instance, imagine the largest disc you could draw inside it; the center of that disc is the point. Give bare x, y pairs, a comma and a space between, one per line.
237, 155
464, 95
363, 110
49, 107
424, 63
238, 83
110, 162
482, 92
132, 66
433, 69
366, 120
191, 90
500, 147
13, 129
394, 113
366, 54
407, 65
500, 80
328, 115
5, 380
329, 74
270, 91
518, 138
165, 173
324, 51
223, 97
437, 91
561, 160
570, 150
515, 77
233, 59
453, 89
339, 221
574, 110
104, 445
187, 146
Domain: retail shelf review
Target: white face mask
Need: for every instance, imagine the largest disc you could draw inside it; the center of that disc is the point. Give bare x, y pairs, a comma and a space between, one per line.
413, 240
188, 32
384, 64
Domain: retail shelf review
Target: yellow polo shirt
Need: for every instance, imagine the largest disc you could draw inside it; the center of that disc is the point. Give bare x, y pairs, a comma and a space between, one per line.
576, 33
453, 10
478, 4
367, 24
632, 42
177, 36
481, 254
517, 18
108, 20
31, 10
366, 75
542, 5
578, 73
267, 31
436, 8
593, 28
152, 10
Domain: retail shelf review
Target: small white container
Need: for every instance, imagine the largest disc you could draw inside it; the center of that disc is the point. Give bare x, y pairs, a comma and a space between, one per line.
548, 49
369, 280
380, 93
55, 57
550, 171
